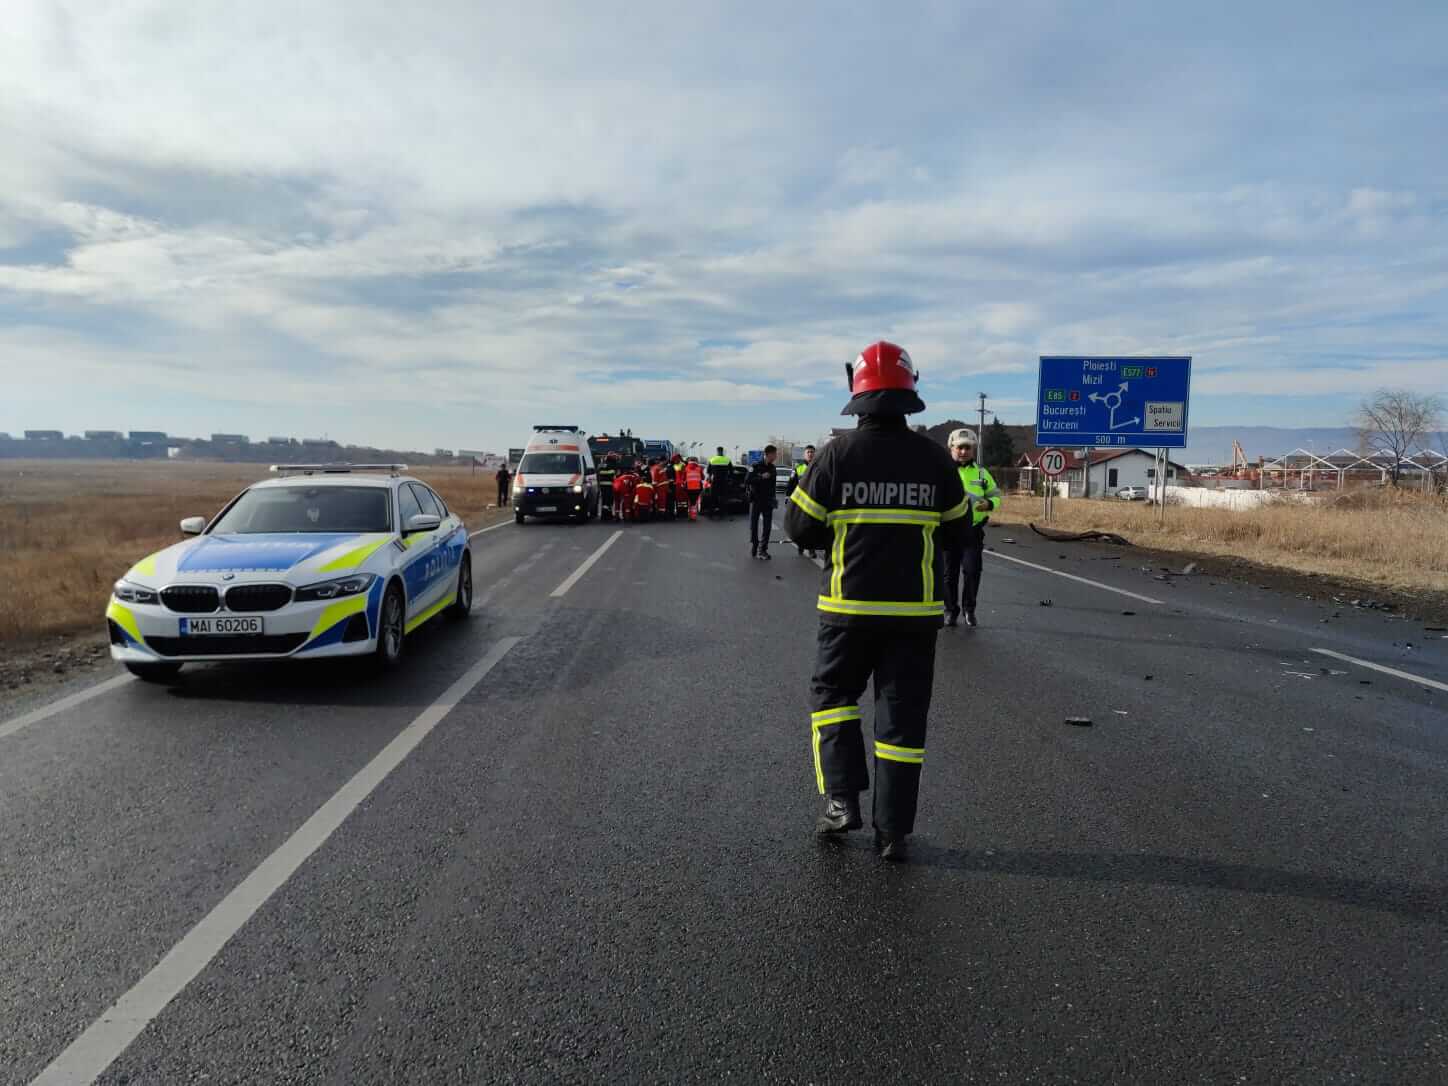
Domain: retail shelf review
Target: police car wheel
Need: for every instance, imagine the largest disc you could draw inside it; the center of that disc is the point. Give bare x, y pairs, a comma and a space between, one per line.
154, 673
463, 603
390, 627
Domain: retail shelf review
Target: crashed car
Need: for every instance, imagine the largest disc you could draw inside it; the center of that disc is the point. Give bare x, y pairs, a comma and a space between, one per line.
323, 561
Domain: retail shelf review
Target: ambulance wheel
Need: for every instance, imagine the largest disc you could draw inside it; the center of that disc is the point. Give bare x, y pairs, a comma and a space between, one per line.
155, 673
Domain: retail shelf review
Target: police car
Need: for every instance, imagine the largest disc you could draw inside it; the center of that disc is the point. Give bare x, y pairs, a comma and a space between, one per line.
323, 561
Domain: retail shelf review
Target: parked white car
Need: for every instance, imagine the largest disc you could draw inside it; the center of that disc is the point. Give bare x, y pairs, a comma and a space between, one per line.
327, 560
1132, 493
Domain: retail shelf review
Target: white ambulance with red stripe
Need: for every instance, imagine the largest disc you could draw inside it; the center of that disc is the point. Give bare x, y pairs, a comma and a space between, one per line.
557, 478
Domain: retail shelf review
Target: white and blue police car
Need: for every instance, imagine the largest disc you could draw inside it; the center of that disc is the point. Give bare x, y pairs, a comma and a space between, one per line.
325, 560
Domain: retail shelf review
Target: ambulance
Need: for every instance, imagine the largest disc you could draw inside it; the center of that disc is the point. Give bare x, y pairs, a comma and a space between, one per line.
557, 478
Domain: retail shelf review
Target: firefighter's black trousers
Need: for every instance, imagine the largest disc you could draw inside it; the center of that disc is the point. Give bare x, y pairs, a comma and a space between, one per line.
962, 572
903, 668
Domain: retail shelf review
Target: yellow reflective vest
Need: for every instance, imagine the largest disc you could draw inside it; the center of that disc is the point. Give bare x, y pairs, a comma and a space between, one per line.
985, 496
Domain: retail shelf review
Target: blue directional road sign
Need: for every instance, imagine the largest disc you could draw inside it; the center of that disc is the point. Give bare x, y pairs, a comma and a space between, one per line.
1101, 402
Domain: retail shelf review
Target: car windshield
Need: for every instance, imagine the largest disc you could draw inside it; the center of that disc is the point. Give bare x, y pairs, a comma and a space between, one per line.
549, 464
308, 509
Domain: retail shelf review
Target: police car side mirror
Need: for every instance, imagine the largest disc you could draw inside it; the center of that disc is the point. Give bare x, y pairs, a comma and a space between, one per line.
193, 526
422, 522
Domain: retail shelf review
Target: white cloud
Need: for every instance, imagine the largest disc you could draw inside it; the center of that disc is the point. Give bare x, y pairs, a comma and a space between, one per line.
527, 208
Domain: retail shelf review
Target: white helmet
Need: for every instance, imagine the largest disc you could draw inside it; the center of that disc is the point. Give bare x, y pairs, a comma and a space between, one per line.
962, 437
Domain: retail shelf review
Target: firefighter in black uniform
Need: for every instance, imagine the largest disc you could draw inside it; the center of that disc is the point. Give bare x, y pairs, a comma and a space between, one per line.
884, 502
607, 473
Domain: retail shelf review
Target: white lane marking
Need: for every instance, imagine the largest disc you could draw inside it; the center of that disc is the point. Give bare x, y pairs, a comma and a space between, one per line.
87, 1057
587, 565
1073, 577
492, 528
10, 727
1434, 683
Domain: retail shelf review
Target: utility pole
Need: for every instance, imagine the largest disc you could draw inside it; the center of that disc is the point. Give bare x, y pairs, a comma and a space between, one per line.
980, 435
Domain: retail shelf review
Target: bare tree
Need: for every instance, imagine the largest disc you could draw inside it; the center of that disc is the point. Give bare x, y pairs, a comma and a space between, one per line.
1393, 421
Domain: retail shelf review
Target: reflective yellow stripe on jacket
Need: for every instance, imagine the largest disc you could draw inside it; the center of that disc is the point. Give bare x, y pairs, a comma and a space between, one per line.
978, 484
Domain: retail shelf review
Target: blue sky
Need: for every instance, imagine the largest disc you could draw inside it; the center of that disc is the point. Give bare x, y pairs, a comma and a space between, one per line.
435, 224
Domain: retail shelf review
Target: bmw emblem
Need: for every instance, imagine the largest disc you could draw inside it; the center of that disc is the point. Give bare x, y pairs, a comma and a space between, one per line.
228, 576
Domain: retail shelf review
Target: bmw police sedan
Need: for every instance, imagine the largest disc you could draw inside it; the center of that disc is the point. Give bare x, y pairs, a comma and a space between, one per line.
326, 560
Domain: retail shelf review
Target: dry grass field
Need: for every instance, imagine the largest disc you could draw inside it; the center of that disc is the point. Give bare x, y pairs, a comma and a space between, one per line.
69, 528
1393, 539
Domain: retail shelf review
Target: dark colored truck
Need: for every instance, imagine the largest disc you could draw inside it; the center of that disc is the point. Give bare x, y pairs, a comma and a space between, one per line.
630, 452
630, 449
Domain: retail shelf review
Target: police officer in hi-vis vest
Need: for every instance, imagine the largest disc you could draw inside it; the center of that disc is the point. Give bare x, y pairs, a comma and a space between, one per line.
962, 567
883, 502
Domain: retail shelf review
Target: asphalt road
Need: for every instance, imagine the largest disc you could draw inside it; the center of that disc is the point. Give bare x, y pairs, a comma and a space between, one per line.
593, 859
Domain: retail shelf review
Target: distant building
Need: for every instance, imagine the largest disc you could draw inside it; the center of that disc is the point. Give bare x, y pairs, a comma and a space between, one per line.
230, 439
148, 437
44, 435
278, 441
103, 435
1111, 470
442, 452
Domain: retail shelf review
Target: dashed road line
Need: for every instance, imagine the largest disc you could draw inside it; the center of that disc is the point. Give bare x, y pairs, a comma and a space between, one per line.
87, 1057
588, 562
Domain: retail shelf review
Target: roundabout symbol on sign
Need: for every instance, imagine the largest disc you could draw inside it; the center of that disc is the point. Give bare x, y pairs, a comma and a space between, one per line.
1053, 462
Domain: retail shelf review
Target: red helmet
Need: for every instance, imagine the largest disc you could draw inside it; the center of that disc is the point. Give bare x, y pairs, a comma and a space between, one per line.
883, 381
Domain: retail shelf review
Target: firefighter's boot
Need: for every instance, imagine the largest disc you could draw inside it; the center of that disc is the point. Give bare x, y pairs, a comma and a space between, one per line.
841, 814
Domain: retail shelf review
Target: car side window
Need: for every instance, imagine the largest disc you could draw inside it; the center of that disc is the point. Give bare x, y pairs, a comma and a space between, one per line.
425, 499
407, 503
441, 505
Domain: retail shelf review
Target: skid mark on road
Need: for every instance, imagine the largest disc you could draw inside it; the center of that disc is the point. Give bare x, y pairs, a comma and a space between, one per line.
512, 575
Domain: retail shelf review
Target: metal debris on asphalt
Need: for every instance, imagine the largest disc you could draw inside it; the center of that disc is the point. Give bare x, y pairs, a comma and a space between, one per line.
1079, 721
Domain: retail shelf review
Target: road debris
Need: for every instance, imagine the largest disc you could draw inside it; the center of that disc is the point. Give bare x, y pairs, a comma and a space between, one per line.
1080, 537
1079, 721
1128, 613
1045, 603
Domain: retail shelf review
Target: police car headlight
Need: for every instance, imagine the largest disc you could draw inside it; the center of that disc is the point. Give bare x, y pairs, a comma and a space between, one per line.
328, 590
127, 592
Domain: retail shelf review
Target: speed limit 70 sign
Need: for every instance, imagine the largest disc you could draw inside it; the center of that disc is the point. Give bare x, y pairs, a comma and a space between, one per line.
1053, 462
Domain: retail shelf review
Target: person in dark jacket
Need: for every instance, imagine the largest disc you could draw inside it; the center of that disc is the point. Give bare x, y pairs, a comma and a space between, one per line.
762, 503
884, 502
504, 481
